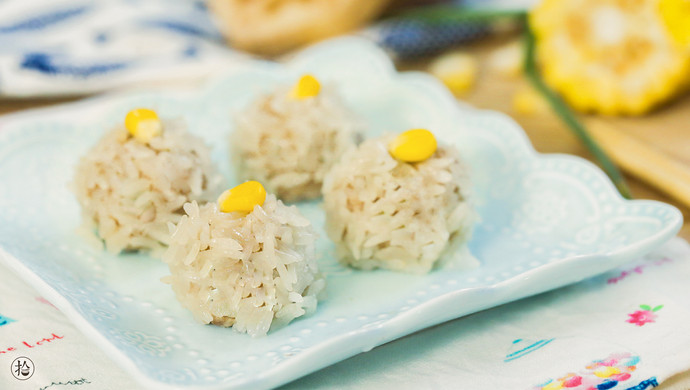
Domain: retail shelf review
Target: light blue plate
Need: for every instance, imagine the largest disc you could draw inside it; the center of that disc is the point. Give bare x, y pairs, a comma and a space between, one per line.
546, 221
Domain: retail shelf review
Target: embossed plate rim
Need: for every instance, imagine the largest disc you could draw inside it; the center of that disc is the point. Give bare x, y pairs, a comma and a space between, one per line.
421, 315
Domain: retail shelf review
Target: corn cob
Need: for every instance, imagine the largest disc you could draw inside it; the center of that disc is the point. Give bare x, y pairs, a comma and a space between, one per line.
613, 56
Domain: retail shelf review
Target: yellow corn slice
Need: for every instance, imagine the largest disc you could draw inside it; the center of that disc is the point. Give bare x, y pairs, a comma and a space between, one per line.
611, 56
676, 15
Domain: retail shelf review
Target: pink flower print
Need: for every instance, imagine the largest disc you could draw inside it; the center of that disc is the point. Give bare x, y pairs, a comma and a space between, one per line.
646, 315
572, 380
641, 317
600, 374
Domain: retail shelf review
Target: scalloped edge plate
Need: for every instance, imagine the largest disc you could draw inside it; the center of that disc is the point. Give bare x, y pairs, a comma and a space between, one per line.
453, 298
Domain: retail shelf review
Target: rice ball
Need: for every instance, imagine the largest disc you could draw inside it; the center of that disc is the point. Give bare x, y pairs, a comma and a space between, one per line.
385, 213
289, 142
250, 271
130, 190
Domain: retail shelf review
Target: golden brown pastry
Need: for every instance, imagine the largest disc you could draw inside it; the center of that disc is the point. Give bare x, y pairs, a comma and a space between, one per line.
275, 26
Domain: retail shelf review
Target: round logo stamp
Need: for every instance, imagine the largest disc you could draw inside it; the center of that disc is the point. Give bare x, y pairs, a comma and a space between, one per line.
22, 368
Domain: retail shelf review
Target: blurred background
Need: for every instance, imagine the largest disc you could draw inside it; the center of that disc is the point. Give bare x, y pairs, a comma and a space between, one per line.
602, 79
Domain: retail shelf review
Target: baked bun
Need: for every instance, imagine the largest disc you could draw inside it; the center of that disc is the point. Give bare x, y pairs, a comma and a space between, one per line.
272, 27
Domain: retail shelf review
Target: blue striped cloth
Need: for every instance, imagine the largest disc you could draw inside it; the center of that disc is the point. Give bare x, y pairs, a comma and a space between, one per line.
61, 47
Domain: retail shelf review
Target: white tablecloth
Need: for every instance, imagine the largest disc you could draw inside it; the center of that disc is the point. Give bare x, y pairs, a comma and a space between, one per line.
626, 329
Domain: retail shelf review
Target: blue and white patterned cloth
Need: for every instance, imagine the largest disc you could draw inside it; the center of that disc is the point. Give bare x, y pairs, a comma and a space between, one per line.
63, 47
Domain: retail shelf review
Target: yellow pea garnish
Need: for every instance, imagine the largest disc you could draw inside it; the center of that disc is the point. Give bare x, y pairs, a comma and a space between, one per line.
242, 198
143, 124
307, 86
413, 145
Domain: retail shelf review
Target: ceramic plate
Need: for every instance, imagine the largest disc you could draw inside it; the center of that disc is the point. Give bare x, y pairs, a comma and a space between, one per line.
546, 221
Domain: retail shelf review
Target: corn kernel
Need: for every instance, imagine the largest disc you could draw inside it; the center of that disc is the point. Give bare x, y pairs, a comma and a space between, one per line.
307, 87
676, 17
242, 198
507, 60
527, 101
413, 145
143, 124
457, 71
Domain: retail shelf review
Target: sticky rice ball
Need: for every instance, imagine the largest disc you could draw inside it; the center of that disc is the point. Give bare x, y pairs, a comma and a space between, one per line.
397, 203
289, 139
248, 262
136, 179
